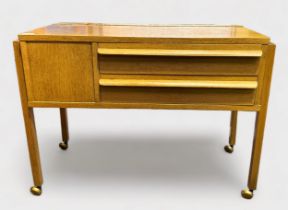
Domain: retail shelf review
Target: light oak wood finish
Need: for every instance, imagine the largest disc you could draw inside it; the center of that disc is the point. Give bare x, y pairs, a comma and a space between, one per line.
58, 71
191, 47
233, 128
177, 95
261, 119
96, 71
261, 74
201, 67
109, 105
183, 83
28, 120
192, 53
167, 65
177, 90
197, 34
213, 61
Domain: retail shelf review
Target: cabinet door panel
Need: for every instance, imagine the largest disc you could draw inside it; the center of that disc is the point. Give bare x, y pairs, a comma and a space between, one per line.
58, 71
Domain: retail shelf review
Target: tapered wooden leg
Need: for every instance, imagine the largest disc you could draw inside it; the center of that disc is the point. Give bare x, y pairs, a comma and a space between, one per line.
233, 127
269, 52
256, 154
33, 150
64, 127
29, 125
257, 148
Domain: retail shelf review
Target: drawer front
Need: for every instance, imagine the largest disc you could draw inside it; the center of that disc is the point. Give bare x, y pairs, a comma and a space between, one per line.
129, 59
177, 95
184, 90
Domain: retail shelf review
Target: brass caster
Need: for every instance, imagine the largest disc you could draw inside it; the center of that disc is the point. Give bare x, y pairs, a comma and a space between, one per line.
63, 145
228, 148
247, 194
35, 190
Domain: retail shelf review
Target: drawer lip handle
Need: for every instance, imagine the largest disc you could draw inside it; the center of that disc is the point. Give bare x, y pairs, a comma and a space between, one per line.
178, 83
177, 52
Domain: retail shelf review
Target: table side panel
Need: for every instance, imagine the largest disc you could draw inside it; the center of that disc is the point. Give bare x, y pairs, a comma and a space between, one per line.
261, 75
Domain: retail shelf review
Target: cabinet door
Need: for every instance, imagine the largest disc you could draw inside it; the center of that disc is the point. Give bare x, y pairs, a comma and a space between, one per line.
60, 72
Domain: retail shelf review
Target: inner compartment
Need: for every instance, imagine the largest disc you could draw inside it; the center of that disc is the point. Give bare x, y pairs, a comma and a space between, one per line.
178, 65
173, 95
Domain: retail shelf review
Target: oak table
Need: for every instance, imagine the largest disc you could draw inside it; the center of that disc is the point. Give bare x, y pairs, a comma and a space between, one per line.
88, 65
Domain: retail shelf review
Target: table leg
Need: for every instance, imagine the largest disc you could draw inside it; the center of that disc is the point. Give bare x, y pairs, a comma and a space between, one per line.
269, 51
64, 128
33, 150
29, 125
256, 154
233, 127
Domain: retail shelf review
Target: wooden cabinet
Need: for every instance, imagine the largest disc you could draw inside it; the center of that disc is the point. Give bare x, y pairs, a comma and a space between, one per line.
64, 72
86, 65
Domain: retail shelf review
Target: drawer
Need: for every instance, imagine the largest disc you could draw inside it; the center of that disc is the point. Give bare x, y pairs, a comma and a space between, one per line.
179, 90
155, 59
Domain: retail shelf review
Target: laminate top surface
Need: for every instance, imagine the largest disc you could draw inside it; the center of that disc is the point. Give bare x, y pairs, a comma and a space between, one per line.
144, 33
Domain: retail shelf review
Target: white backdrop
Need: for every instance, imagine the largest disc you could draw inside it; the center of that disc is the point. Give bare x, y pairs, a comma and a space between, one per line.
143, 159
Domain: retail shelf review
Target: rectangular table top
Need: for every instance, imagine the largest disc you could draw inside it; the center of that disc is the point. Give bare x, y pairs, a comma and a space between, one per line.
99, 32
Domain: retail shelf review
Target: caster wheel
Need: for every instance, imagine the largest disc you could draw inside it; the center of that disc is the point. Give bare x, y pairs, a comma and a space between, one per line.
63, 145
35, 190
247, 194
228, 148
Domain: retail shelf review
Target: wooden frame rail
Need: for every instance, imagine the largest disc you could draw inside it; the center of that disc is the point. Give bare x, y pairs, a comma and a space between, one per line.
177, 52
178, 83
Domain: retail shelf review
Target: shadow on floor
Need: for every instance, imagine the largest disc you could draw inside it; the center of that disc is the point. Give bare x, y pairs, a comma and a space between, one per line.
134, 157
